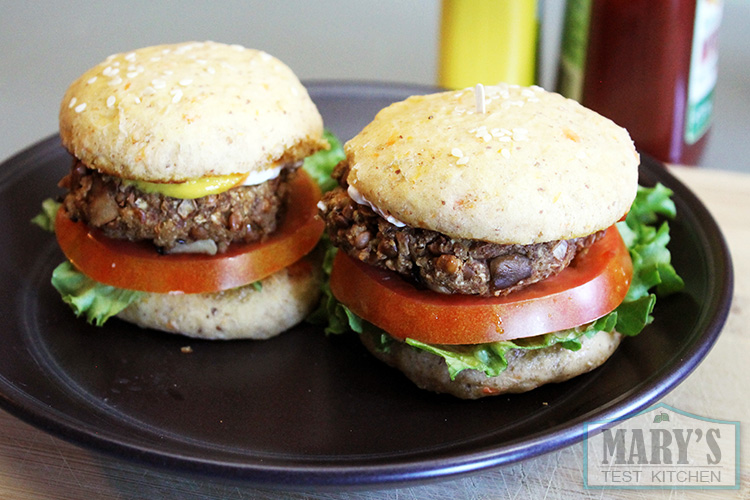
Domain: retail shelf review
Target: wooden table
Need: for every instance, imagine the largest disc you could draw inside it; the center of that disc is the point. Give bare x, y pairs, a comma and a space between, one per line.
35, 465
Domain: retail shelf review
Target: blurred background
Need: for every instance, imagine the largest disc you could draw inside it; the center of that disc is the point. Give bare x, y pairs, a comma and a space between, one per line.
47, 44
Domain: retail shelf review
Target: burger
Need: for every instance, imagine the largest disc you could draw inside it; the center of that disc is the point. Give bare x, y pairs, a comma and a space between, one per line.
477, 239
186, 208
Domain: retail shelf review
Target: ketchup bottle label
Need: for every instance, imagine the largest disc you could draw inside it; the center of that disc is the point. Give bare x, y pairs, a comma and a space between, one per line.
703, 69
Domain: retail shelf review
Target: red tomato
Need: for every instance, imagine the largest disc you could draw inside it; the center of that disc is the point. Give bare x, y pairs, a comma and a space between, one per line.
593, 285
138, 266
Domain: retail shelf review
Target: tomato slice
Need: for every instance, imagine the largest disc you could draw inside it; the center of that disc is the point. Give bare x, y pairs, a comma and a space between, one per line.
138, 266
593, 285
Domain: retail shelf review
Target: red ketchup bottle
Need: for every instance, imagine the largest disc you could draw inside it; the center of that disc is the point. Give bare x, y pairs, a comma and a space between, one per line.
650, 66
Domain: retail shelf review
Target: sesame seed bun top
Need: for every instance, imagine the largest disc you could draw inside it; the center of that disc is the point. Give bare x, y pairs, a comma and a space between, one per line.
533, 167
177, 112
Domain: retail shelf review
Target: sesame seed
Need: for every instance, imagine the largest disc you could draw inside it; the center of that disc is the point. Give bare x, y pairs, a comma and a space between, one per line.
457, 152
481, 133
155, 59
130, 57
115, 81
265, 56
176, 95
210, 70
110, 71
91, 80
238, 47
111, 101
72, 102
505, 152
137, 99
463, 160
132, 74
520, 134
186, 81
158, 84
80, 107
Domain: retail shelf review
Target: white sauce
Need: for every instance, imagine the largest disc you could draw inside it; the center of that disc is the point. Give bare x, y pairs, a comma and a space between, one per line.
355, 195
254, 178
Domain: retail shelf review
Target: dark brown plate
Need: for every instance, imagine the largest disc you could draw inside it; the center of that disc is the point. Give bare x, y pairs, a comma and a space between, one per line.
302, 409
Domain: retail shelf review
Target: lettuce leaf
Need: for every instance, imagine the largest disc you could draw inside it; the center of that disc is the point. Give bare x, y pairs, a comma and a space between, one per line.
491, 357
95, 301
320, 165
46, 218
652, 270
331, 314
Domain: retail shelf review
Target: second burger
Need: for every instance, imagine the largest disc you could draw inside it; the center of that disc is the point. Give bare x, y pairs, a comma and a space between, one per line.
478, 250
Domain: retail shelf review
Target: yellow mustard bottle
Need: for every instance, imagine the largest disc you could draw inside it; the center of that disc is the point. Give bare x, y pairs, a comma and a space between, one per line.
487, 41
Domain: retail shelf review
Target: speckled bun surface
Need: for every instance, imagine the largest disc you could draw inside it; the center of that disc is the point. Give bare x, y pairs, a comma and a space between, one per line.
533, 167
282, 300
183, 111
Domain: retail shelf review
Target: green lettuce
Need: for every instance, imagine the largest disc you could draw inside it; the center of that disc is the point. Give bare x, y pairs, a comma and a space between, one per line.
320, 165
652, 272
46, 218
89, 298
491, 357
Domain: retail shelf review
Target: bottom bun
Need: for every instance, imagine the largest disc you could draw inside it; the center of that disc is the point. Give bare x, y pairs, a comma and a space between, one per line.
284, 299
527, 369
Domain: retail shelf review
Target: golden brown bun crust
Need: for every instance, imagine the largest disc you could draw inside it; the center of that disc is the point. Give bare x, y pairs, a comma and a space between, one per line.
284, 299
527, 369
183, 111
534, 167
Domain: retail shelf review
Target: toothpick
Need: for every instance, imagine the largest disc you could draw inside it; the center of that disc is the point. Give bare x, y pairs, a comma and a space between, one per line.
479, 95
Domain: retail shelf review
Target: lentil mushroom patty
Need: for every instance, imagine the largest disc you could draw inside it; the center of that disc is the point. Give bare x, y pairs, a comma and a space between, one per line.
437, 261
122, 211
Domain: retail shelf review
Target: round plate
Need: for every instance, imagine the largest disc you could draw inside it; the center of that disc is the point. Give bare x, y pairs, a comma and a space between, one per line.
303, 409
